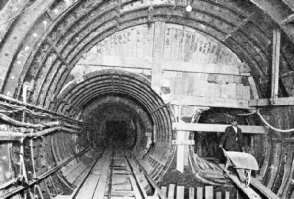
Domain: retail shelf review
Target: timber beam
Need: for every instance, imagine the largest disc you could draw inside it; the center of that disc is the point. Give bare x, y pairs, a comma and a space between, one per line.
217, 128
281, 101
211, 102
275, 65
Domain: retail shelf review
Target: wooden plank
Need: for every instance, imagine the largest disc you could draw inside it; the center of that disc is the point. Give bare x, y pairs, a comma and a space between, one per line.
77, 172
208, 192
281, 101
275, 65
199, 193
263, 189
157, 58
164, 190
217, 128
100, 189
81, 177
117, 61
191, 192
253, 87
180, 192
180, 151
72, 168
133, 181
122, 193
218, 195
124, 187
171, 191
247, 190
227, 195
209, 101
89, 186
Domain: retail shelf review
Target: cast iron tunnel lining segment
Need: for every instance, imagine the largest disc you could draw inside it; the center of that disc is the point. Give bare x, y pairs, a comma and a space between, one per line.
232, 25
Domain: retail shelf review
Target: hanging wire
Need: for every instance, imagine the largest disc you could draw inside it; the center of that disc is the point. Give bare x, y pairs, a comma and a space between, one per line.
271, 127
246, 114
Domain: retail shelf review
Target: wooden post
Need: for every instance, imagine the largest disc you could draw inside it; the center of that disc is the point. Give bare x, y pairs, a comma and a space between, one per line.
199, 193
191, 192
208, 192
275, 65
171, 191
157, 56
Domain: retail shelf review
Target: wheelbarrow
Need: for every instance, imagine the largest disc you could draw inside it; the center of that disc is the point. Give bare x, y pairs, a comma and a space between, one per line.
243, 163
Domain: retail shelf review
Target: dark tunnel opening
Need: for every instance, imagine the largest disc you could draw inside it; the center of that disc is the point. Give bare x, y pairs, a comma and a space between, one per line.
117, 130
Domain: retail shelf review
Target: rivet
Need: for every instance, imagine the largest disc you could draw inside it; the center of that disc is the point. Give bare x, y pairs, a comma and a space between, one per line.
19, 62
35, 34
55, 11
27, 48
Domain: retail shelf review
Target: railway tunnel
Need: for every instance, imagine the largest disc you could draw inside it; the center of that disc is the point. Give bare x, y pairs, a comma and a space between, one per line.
130, 98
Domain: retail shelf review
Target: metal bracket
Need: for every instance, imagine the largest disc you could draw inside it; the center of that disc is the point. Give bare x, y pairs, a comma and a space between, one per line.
183, 142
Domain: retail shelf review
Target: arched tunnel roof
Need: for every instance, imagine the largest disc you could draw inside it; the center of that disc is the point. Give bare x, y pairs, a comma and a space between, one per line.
41, 41
114, 82
66, 32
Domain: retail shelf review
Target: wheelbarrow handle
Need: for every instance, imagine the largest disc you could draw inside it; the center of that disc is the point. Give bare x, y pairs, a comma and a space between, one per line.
225, 152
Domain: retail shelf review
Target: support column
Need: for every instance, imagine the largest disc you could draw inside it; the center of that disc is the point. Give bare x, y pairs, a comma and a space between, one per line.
157, 56
275, 65
182, 139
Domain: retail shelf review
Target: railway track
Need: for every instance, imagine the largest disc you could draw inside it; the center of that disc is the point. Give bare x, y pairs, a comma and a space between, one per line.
115, 174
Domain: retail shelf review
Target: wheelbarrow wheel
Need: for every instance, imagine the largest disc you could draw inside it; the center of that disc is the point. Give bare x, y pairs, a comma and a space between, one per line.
247, 173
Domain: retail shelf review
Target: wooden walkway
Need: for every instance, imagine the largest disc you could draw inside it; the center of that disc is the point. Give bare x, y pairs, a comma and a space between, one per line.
116, 174
178, 192
113, 175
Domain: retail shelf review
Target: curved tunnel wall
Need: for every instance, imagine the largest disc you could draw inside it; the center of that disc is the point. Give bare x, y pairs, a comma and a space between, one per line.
135, 92
65, 32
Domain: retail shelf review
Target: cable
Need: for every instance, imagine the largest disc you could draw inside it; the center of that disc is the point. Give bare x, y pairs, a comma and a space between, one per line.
247, 114
271, 127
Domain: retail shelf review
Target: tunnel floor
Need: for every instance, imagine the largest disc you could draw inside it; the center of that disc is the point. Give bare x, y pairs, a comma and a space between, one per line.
113, 173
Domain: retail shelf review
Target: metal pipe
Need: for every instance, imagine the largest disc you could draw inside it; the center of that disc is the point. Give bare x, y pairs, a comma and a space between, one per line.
17, 136
4, 97
161, 195
27, 125
11, 136
71, 126
41, 177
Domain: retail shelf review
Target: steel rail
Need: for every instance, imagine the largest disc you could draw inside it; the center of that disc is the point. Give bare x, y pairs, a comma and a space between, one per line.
41, 177
159, 192
136, 178
76, 191
111, 176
